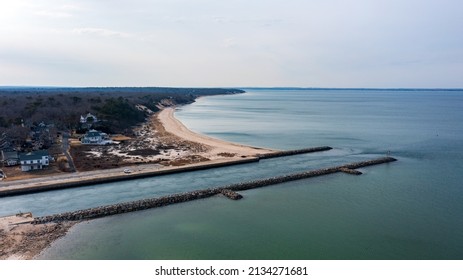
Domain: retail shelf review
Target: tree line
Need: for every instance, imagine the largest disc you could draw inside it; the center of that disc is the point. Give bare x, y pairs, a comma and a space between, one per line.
116, 107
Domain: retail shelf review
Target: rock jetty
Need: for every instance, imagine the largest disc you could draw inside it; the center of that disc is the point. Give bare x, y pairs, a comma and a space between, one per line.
294, 152
138, 175
229, 191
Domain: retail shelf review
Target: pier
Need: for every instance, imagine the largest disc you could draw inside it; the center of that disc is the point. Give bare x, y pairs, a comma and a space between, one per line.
230, 191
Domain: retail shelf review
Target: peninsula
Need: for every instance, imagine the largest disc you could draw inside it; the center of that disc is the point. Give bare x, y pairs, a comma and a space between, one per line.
159, 145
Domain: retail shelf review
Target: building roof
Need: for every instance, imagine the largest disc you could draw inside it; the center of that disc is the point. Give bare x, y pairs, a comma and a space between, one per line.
83, 118
33, 155
93, 133
9, 155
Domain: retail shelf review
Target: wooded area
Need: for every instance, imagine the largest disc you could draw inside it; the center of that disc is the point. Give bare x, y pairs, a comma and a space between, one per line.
116, 108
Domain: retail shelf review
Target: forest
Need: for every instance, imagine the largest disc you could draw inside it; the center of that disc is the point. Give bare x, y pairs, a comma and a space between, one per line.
116, 107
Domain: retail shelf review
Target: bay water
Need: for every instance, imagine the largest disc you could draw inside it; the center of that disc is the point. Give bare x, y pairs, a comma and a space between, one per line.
409, 209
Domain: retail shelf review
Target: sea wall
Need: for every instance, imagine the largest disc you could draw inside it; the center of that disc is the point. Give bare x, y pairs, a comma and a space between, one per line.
294, 152
229, 191
138, 175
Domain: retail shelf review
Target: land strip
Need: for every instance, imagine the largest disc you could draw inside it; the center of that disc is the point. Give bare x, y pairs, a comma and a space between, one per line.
142, 171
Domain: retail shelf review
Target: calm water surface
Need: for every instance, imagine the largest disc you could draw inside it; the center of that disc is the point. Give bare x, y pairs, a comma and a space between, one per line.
410, 209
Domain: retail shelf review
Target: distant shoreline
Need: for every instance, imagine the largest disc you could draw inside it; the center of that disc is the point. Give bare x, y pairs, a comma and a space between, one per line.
348, 89
231, 89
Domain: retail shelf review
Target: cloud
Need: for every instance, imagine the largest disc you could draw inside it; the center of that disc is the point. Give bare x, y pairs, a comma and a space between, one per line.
64, 11
229, 43
100, 32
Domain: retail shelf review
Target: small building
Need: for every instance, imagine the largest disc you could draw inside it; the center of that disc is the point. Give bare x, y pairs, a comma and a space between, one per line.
34, 160
9, 157
88, 117
95, 137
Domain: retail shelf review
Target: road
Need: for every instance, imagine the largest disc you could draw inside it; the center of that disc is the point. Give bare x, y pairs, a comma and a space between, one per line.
81, 176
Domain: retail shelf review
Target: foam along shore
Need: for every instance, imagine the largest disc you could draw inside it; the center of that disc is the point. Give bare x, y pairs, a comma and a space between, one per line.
174, 126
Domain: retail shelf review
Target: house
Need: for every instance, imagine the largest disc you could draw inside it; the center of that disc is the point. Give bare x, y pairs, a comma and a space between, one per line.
88, 117
34, 160
9, 157
41, 137
96, 138
5, 141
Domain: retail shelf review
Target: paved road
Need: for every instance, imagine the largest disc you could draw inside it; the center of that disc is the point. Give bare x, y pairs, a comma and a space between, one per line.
82, 176
66, 151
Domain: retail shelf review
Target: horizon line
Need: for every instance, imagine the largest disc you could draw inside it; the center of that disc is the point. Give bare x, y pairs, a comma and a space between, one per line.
238, 87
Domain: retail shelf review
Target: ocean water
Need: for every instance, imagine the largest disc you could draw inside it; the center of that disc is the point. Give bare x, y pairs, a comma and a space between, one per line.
410, 209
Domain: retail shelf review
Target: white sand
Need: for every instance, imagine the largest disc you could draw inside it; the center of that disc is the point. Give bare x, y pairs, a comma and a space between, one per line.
175, 127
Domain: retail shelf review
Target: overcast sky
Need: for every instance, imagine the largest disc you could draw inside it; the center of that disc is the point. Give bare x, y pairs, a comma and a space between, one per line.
232, 43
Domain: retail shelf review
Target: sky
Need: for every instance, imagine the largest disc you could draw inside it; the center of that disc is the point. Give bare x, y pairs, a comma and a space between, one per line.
232, 43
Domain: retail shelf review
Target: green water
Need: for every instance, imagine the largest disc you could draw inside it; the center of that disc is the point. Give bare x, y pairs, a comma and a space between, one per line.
410, 209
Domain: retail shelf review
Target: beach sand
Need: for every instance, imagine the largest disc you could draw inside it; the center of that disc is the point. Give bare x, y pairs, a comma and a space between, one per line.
22, 240
217, 147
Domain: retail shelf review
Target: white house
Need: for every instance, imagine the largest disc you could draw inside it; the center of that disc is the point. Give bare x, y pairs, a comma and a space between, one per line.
95, 137
34, 160
84, 118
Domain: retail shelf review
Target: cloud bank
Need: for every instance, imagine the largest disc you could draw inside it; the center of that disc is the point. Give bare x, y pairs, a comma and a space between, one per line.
302, 43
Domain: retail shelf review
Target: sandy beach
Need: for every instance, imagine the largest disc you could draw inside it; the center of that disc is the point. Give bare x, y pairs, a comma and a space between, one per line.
217, 147
186, 149
22, 240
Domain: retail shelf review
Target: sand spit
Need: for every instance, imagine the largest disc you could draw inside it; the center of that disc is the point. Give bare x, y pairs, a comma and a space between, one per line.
21, 240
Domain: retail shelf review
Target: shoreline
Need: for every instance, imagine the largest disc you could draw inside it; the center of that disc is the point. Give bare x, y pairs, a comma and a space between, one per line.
174, 126
22, 240
217, 153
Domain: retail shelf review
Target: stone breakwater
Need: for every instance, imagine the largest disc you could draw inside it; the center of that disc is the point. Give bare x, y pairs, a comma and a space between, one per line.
228, 191
138, 175
294, 152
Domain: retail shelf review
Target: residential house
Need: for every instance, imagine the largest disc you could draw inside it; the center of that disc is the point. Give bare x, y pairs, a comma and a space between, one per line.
87, 117
96, 138
9, 157
41, 137
34, 160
